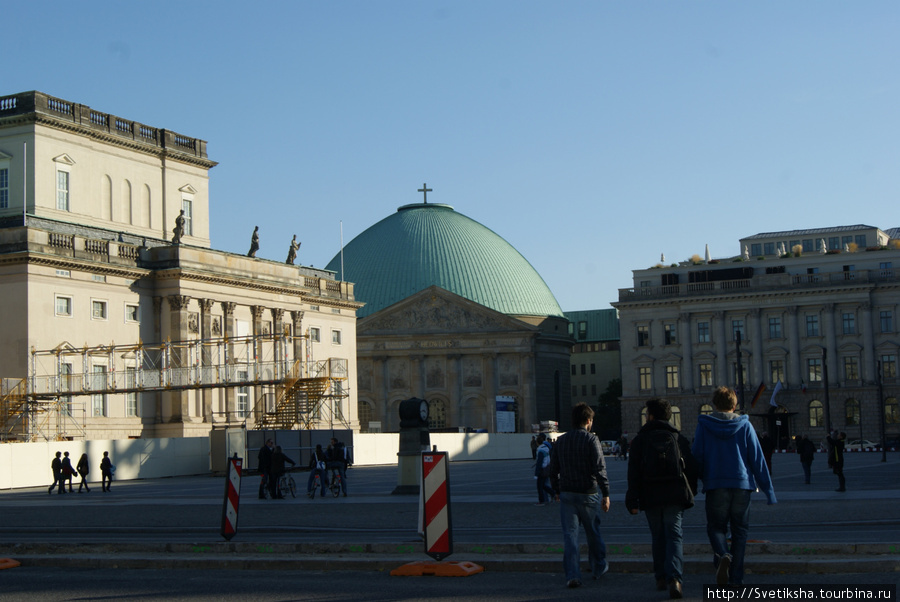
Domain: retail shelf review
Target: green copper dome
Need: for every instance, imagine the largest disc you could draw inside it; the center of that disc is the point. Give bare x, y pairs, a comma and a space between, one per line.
431, 244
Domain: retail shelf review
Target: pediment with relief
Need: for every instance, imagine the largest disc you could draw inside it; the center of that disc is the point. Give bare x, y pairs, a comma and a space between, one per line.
187, 188
436, 310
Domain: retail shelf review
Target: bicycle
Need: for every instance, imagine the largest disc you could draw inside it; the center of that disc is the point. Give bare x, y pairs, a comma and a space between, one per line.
316, 484
335, 484
287, 485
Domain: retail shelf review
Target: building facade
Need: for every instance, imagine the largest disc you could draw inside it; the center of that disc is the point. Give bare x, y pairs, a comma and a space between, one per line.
822, 322
88, 258
595, 355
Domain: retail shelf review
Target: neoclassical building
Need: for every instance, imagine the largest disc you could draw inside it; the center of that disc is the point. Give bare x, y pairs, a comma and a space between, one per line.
809, 307
455, 315
90, 267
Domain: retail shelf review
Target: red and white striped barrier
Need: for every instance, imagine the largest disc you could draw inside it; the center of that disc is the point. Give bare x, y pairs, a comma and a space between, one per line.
436, 494
232, 498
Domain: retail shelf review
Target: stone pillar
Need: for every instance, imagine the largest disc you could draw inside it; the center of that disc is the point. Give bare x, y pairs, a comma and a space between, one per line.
297, 324
157, 333
793, 335
722, 343
178, 331
206, 356
417, 375
489, 386
828, 327
687, 359
380, 390
281, 365
256, 311
228, 328
868, 359
756, 372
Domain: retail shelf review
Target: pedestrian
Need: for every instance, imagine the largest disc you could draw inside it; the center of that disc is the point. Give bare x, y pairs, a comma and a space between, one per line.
836, 457
534, 446
317, 467
106, 471
56, 467
768, 446
264, 465
662, 481
622, 451
807, 452
83, 468
67, 471
279, 461
337, 457
578, 476
731, 467
542, 471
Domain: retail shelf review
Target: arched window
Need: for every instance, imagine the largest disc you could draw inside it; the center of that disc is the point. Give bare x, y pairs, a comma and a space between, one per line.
364, 409
815, 413
676, 417
437, 414
643, 416
891, 411
706, 409
851, 412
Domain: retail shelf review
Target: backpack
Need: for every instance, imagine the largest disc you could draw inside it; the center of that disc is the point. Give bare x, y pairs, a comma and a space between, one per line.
661, 460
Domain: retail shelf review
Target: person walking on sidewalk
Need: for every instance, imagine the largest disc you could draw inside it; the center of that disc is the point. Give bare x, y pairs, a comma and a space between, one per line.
807, 453
731, 467
578, 476
542, 471
56, 467
106, 471
83, 468
67, 471
836, 457
662, 481
278, 468
317, 467
264, 465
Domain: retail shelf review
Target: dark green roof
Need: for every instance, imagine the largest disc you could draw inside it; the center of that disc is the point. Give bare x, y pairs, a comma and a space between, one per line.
601, 324
430, 244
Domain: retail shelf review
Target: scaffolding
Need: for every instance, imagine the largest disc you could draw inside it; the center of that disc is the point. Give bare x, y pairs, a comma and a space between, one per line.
306, 391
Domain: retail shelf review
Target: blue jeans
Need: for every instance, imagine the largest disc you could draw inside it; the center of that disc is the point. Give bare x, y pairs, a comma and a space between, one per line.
544, 490
724, 506
666, 535
342, 470
323, 479
807, 470
581, 508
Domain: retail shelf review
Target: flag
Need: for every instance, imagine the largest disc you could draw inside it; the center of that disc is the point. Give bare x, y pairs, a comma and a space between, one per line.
759, 392
778, 388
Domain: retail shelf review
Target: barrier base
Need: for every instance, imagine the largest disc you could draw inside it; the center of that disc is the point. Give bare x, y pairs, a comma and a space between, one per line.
428, 568
9, 563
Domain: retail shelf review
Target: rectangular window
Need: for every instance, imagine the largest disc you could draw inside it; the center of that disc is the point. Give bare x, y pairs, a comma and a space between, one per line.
703, 332
314, 334
671, 377
62, 190
584, 389
4, 188
776, 371
594, 390
756, 249
643, 336
769, 248
98, 382
98, 309
63, 306
737, 326
851, 368
188, 206
834, 243
243, 396
706, 378
743, 374
860, 241
671, 335
887, 321
574, 370
131, 313
775, 328
808, 246
846, 240
131, 398
335, 337
645, 378
574, 390
593, 368
848, 322
582, 330
814, 370
812, 325
889, 366
583, 370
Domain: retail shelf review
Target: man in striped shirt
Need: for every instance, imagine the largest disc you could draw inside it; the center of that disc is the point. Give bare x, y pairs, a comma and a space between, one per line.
578, 475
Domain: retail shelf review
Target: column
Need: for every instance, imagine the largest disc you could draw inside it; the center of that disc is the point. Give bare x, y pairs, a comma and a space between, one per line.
868, 358
157, 333
687, 359
722, 373
178, 331
297, 325
205, 356
228, 328
489, 386
794, 367
756, 371
278, 342
828, 326
256, 311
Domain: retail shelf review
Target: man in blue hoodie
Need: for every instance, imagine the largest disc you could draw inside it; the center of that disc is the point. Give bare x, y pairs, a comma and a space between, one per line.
732, 466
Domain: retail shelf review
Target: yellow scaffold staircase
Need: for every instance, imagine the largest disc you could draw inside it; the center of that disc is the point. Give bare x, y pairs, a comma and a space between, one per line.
301, 402
13, 409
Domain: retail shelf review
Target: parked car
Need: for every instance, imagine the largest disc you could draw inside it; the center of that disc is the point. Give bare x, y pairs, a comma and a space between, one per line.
860, 444
892, 442
607, 447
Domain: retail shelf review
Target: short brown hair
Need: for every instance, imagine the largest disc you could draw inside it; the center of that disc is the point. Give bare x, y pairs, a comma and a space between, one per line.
581, 415
659, 409
725, 399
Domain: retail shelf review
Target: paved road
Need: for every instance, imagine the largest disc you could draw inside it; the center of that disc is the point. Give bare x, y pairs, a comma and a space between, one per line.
492, 503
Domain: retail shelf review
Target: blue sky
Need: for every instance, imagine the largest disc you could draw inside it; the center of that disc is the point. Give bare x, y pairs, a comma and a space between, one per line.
593, 136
